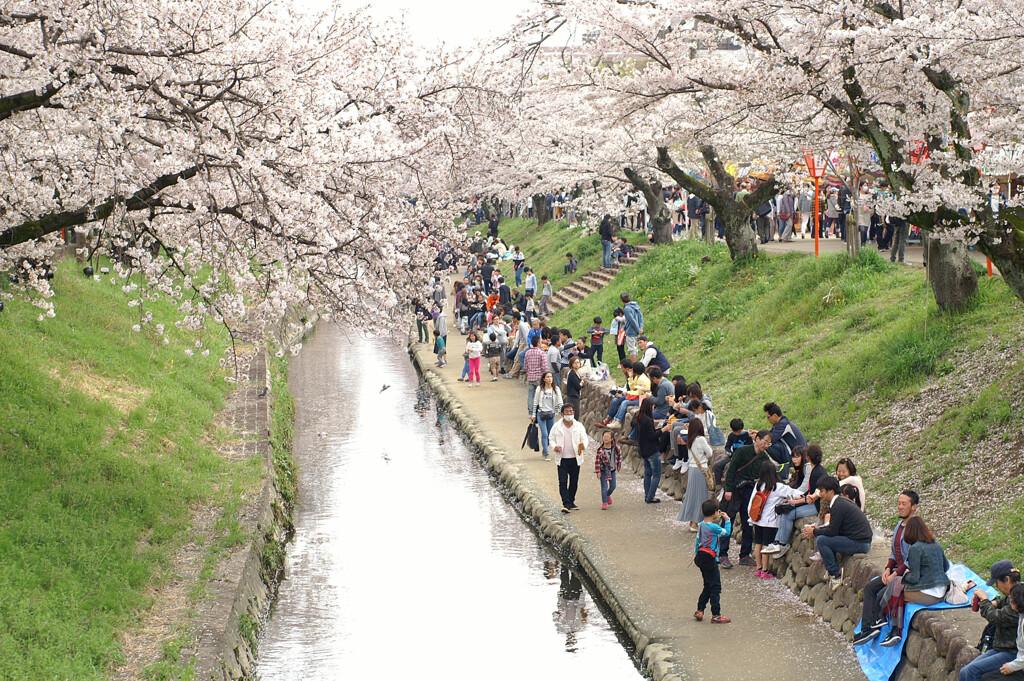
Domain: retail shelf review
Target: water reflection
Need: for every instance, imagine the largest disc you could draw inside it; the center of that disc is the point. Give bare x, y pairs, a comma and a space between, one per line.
406, 559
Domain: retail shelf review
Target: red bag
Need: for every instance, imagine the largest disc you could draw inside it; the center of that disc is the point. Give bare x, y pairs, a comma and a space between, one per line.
757, 503
620, 337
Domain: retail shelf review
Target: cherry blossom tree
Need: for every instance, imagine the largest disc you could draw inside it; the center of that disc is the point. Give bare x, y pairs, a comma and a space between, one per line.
240, 157
890, 79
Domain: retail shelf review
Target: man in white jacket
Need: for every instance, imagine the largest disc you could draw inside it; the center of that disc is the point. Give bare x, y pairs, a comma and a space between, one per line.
569, 438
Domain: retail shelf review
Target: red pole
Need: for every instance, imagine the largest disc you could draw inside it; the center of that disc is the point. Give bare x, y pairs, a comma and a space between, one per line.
989, 263
817, 214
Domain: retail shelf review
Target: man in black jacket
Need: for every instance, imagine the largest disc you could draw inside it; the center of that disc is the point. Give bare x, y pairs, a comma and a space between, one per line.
848, 531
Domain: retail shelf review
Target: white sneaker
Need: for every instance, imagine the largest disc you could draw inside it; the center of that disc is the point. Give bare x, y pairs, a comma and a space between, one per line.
835, 582
678, 464
613, 425
772, 549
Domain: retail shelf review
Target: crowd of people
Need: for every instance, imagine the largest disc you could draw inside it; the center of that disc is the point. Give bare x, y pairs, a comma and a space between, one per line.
769, 478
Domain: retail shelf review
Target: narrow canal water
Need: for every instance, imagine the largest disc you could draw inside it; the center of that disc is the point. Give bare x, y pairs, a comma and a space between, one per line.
406, 561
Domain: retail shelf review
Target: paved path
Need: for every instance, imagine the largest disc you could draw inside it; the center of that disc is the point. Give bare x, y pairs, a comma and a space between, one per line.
647, 560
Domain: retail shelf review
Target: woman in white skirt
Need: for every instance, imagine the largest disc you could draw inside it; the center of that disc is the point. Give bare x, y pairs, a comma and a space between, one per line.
696, 485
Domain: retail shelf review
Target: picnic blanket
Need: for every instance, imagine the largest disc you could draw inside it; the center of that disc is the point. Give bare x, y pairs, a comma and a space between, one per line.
881, 664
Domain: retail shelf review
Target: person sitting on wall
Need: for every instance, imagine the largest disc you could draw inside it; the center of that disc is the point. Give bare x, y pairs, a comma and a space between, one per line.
1014, 669
872, 621
848, 532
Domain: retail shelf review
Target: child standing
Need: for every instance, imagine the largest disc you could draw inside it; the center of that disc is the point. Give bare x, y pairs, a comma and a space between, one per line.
597, 333
619, 331
474, 350
606, 463
494, 352
531, 309
439, 348
714, 526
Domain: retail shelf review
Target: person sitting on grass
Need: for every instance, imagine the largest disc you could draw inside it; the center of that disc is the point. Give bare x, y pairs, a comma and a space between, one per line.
710, 532
570, 265
848, 532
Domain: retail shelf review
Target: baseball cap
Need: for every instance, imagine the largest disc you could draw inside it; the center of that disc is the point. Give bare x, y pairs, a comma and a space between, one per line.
1000, 569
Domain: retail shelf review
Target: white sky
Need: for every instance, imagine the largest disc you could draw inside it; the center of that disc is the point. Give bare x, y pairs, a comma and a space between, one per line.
453, 22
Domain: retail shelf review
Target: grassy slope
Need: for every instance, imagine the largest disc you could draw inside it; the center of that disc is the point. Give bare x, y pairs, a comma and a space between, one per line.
545, 248
104, 447
833, 342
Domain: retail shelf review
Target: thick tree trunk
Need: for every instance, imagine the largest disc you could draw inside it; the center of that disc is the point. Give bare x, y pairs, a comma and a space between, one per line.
540, 209
661, 220
738, 234
951, 274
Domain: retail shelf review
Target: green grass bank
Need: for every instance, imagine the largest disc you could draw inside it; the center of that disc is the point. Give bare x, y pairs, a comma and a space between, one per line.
842, 345
545, 248
107, 443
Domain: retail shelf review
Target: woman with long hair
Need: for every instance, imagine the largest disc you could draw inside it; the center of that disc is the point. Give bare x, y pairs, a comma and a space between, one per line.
547, 404
696, 484
649, 444
925, 581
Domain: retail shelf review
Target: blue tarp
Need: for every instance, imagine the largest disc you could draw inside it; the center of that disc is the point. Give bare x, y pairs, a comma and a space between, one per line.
880, 664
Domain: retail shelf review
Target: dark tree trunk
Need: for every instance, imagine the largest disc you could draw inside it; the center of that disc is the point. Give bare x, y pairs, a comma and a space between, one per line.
661, 220
951, 274
738, 235
540, 209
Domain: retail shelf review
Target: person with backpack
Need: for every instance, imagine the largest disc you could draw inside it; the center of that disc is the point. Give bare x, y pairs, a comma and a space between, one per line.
769, 492
740, 476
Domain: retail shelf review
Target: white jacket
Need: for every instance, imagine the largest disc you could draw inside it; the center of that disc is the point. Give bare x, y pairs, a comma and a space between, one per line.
768, 516
579, 437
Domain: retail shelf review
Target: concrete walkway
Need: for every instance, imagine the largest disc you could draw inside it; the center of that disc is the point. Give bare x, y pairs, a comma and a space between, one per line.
645, 558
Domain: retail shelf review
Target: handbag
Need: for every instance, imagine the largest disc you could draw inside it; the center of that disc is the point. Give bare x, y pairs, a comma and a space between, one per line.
532, 437
782, 508
709, 477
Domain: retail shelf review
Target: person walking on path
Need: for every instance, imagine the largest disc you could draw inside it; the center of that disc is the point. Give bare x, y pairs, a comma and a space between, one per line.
439, 349
739, 485
634, 326
535, 362
605, 230
547, 404
607, 463
474, 351
692, 510
900, 234
569, 438
712, 529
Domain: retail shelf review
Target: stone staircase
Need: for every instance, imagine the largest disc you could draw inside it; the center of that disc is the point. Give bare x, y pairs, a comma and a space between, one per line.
594, 281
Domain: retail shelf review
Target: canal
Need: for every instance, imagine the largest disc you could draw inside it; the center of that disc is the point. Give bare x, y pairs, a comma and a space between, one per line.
406, 559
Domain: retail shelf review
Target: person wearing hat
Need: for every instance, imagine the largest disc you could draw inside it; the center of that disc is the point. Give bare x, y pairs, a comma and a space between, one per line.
1005, 619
